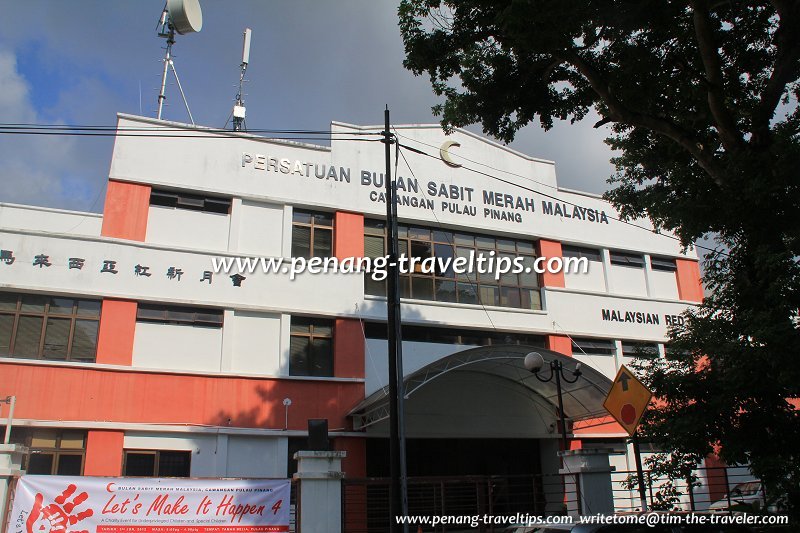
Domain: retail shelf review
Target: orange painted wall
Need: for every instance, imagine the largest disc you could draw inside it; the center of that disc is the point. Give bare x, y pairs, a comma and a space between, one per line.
550, 249
594, 426
103, 453
94, 394
355, 464
559, 343
717, 479
348, 231
348, 349
125, 211
690, 287
117, 327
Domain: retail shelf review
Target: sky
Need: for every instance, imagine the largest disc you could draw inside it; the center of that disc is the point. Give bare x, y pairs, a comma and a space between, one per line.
311, 62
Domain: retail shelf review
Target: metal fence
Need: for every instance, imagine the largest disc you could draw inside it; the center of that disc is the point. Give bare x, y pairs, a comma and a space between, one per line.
365, 502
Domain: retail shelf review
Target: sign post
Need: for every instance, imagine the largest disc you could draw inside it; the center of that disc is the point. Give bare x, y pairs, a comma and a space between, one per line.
626, 403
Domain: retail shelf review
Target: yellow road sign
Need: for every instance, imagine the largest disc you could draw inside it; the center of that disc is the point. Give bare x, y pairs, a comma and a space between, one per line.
627, 400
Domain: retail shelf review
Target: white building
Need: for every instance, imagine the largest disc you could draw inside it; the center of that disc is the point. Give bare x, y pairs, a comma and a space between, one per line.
129, 355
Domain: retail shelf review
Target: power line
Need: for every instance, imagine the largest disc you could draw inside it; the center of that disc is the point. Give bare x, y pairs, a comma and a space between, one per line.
561, 200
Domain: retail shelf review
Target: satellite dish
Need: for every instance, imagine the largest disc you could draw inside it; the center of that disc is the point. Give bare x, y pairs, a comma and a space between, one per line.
185, 15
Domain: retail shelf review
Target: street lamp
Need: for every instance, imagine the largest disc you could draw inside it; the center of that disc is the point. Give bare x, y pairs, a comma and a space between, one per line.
534, 363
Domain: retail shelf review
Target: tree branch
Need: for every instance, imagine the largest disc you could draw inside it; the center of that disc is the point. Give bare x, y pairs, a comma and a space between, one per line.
620, 113
785, 70
729, 133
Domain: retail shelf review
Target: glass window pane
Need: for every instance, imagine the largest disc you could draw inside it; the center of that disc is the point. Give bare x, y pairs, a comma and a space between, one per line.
322, 329
467, 293
525, 247
322, 357
69, 464
72, 440
485, 273
405, 286
419, 233
374, 227
298, 356
56, 338
446, 253
489, 295
422, 288
464, 239
372, 287
507, 245
445, 291
509, 297
323, 219
8, 301
89, 307
530, 279
402, 231
302, 217
422, 250
373, 247
33, 304
61, 306
485, 242
531, 299
323, 242
443, 236
84, 340
174, 464
180, 315
301, 241
508, 278
6, 325
29, 333
44, 438
140, 464
40, 463
300, 325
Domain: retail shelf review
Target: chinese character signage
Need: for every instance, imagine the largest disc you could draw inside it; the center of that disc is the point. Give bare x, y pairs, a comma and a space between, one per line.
53, 504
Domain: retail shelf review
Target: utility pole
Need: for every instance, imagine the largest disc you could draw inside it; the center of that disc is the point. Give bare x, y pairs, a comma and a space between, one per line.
398, 498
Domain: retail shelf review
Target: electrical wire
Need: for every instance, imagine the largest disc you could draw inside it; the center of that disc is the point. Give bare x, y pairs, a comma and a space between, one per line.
563, 201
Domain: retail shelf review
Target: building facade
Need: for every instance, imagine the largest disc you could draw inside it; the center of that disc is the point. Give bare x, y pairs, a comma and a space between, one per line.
131, 353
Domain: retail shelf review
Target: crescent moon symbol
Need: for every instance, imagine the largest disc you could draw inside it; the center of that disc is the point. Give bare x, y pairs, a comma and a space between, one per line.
445, 155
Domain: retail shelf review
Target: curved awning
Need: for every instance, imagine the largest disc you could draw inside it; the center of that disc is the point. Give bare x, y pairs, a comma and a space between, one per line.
582, 399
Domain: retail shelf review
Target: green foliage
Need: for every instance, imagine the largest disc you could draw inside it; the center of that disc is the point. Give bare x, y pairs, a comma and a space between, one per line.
702, 100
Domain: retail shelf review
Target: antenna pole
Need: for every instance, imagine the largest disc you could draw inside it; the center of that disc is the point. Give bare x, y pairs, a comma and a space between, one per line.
180, 88
162, 95
238, 107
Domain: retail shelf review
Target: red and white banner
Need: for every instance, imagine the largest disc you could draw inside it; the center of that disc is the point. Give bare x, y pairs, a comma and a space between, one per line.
64, 504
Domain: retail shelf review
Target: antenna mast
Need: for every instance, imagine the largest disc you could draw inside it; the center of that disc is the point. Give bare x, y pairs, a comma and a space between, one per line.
238, 107
181, 16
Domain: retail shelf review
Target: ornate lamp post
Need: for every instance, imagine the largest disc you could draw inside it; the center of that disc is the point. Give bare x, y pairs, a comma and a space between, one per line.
534, 363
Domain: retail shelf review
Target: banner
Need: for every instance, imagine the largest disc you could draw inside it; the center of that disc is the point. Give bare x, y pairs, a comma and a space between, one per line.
65, 504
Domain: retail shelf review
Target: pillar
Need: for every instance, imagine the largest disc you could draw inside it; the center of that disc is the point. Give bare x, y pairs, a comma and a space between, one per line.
319, 474
11, 456
587, 479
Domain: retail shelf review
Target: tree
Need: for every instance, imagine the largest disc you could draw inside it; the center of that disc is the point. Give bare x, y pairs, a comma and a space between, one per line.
701, 99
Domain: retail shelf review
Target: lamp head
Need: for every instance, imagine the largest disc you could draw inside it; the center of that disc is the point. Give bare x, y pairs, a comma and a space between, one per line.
534, 362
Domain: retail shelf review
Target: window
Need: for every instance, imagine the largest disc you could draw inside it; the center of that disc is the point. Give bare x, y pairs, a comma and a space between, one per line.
593, 347
577, 251
186, 316
639, 349
312, 234
443, 285
311, 347
627, 259
48, 327
192, 202
374, 330
53, 451
157, 463
663, 263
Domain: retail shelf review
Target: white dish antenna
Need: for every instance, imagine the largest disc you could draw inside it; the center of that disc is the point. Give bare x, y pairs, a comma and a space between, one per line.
185, 15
